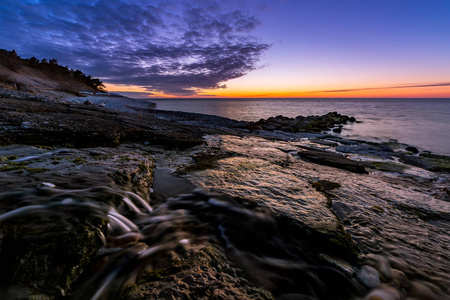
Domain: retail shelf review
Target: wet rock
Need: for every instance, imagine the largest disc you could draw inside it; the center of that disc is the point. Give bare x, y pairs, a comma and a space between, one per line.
386, 293
204, 161
206, 274
255, 175
325, 143
337, 130
89, 126
300, 123
268, 247
400, 280
135, 178
333, 160
412, 149
443, 194
53, 224
387, 166
369, 277
46, 255
379, 150
340, 264
88, 102
325, 185
46, 185
431, 162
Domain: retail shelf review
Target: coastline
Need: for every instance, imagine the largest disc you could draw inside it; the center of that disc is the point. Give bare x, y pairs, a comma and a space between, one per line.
419, 122
335, 204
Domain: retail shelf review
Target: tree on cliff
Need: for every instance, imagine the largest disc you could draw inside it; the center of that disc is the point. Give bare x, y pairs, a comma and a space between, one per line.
51, 68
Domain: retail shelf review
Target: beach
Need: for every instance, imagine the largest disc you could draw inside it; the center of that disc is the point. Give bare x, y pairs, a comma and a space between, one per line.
120, 200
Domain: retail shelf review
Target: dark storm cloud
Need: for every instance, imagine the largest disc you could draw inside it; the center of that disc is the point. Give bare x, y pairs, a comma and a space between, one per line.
172, 46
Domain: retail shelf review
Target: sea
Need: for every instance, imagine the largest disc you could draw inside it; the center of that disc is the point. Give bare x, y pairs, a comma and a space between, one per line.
420, 122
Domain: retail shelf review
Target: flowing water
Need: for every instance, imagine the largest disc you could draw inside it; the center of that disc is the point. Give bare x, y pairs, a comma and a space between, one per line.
259, 205
423, 123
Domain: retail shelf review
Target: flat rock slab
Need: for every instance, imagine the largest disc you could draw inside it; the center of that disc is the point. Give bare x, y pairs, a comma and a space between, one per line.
333, 160
366, 149
31, 122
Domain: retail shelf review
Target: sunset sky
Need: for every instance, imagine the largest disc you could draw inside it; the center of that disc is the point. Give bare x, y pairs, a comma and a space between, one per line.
253, 48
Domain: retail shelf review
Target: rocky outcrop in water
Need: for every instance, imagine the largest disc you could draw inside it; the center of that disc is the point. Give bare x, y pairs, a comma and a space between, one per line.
302, 124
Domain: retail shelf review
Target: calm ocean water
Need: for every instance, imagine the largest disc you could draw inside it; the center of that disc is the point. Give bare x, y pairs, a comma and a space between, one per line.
424, 123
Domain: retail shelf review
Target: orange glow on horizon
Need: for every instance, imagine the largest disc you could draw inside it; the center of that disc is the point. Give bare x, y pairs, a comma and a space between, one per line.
376, 92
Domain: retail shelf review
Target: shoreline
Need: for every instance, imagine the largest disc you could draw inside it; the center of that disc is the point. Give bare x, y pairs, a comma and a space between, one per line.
417, 123
327, 204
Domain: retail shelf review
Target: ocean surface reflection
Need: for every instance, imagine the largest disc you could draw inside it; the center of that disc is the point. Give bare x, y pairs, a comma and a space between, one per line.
419, 122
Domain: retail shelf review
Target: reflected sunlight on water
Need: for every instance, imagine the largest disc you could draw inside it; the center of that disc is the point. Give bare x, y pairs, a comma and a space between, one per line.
419, 122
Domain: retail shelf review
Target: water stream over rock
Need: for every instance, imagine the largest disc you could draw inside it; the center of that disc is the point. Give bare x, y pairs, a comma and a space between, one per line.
106, 223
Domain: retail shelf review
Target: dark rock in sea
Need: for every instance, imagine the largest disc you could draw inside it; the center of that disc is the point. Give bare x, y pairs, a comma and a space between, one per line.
412, 149
337, 130
88, 102
300, 123
333, 160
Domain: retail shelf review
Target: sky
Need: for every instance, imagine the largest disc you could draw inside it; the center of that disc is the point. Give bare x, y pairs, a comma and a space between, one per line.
231, 48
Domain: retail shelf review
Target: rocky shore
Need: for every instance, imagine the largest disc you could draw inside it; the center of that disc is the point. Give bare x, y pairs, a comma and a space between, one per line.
272, 209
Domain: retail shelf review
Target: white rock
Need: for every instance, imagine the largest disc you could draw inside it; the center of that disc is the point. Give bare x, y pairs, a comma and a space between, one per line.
47, 184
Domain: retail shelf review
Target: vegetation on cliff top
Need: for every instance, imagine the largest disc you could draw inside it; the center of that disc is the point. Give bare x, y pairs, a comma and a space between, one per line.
50, 67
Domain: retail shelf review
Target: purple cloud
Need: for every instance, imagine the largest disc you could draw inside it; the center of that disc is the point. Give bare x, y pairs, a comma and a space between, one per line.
175, 47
